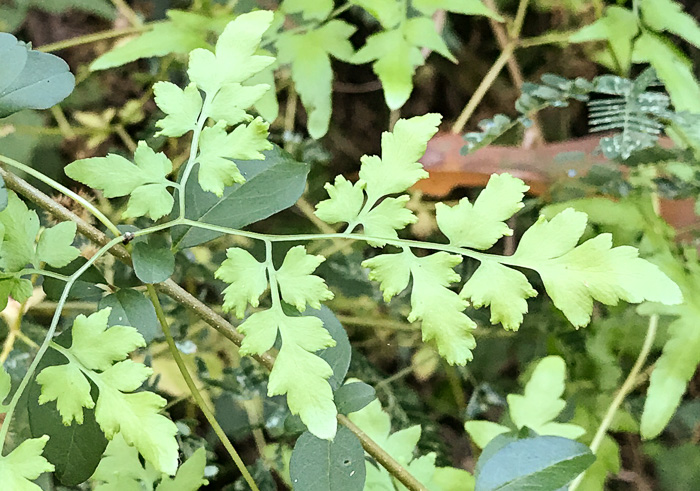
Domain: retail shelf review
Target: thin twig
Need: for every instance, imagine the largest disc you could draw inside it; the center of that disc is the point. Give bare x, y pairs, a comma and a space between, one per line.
627, 386
181, 296
196, 394
93, 38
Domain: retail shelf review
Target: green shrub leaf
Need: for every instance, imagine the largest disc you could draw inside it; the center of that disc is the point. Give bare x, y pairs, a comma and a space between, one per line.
154, 262
31, 79
270, 186
540, 462
132, 308
320, 465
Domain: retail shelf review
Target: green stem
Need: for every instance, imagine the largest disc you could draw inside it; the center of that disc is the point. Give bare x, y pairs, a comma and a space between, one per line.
193, 152
272, 276
47, 340
627, 386
43, 272
196, 394
203, 311
519, 19
61, 188
483, 87
92, 38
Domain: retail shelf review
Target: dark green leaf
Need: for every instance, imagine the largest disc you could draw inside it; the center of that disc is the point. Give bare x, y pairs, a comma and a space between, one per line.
353, 397
131, 308
322, 465
338, 357
75, 450
32, 81
293, 424
153, 260
272, 185
84, 289
545, 463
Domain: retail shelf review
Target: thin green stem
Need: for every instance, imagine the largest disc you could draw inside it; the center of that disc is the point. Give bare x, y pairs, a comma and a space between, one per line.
193, 151
203, 311
517, 26
483, 87
343, 235
43, 272
49, 335
61, 188
627, 386
272, 276
93, 38
548, 38
196, 394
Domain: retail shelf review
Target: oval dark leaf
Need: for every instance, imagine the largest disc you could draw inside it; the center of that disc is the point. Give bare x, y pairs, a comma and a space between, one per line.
322, 465
272, 185
32, 80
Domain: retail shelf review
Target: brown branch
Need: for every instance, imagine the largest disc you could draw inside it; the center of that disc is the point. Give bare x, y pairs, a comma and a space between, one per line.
183, 297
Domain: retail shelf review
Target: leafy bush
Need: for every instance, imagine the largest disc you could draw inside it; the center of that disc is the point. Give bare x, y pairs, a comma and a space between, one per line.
205, 170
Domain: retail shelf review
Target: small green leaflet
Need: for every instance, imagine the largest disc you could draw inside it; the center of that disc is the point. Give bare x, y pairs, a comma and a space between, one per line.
298, 372
309, 9
668, 15
619, 26
574, 276
396, 171
398, 168
98, 353
537, 409
504, 289
182, 108
190, 475
23, 464
217, 148
19, 227
298, 286
309, 55
234, 60
375, 422
246, 278
121, 469
440, 309
145, 180
395, 51
181, 33
481, 224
